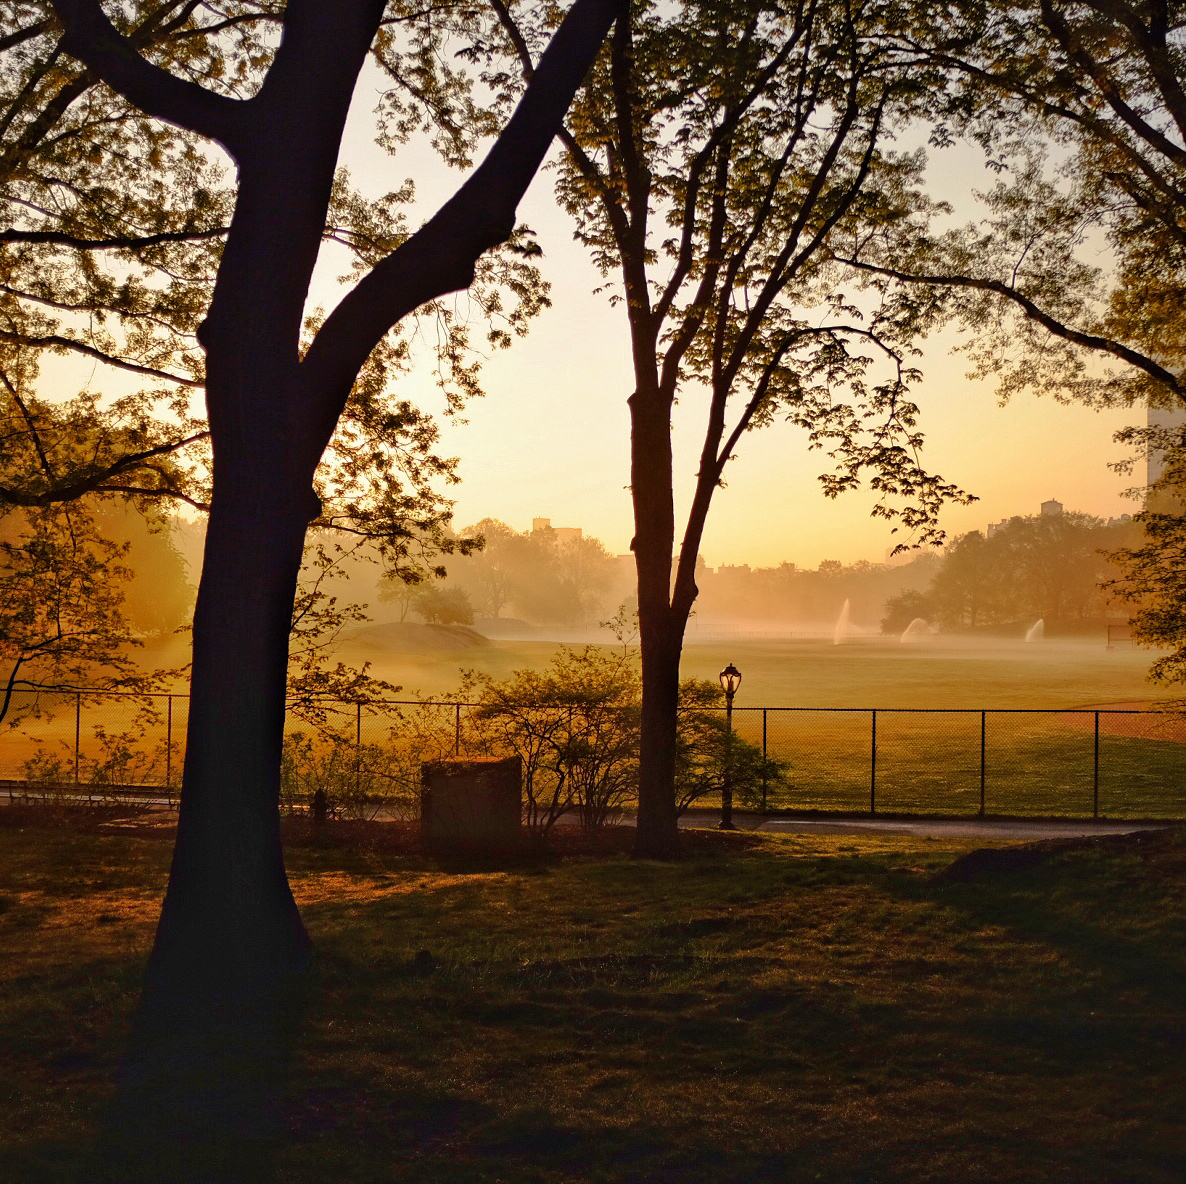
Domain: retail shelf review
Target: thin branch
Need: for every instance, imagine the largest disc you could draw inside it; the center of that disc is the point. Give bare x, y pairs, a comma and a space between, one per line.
31, 425
94, 482
1035, 313
58, 238
93, 40
53, 341
18, 36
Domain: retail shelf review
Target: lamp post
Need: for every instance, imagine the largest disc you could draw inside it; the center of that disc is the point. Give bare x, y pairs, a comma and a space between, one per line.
730, 681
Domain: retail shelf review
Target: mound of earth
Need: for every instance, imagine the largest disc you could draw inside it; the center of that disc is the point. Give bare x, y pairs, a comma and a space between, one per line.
407, 637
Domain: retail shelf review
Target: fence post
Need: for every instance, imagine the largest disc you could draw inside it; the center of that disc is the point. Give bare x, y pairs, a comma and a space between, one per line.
169, 744
77, 734
983, 715
873, 769
763, 760
358, 747
457, 730
1095, 772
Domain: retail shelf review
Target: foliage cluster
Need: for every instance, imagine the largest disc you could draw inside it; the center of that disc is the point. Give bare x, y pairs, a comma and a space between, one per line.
574, 726
787, 593
62, 615
1152, 579
538, 575
1048, 566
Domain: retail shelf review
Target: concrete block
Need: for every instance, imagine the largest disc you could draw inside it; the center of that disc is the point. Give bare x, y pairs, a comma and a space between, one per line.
475, 804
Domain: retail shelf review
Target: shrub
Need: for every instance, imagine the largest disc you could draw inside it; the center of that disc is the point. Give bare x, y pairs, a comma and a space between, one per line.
575, 728
704, 752
351, 776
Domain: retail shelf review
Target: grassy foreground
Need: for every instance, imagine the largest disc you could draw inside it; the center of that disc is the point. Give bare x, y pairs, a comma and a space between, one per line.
772, 1008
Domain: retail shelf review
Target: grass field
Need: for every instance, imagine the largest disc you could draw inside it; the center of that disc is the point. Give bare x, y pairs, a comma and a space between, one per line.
1041, 765
1034, 764
769, 1009
866, 672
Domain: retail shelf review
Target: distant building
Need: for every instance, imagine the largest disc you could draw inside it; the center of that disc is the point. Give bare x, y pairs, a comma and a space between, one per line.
1161, 418
993, 527
1047, 509
564, 534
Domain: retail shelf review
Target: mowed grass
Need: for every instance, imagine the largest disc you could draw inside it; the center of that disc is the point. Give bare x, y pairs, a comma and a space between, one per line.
770, 1008
864, 672
1036, 764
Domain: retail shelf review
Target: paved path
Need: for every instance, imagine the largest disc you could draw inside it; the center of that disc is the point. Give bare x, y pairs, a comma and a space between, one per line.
951, 828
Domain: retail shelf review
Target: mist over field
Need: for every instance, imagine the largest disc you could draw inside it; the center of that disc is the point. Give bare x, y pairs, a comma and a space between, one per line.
814, 672
926, 629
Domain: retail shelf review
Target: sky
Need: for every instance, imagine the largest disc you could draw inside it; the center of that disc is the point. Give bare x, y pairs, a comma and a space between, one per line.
550, 438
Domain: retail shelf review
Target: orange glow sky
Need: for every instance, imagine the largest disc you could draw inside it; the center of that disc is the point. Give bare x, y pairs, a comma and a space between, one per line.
550, 439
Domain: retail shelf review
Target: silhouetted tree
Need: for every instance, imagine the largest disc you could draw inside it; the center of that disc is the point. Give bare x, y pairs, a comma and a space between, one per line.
901, 610
62, 619
538, 575
230, 939
159, 597
443, 606
968, 589
1082, 107
1052, 566
1153, 580
718, 151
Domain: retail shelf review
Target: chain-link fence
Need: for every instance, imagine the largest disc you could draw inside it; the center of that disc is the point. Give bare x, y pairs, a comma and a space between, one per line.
1075, 763
366, 757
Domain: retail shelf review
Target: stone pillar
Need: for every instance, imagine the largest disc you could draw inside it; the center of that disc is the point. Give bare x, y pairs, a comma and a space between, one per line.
473, 804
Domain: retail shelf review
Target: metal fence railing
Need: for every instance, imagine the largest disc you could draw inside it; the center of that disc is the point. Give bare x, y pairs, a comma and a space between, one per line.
1081, 763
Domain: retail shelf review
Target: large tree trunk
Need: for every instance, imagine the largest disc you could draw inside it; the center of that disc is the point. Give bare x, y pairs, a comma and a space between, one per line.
660, 628
200, 1090
200, 1095
658, 830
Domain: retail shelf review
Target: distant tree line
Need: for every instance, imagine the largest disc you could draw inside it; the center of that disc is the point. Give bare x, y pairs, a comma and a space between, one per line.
1053, 567
543, 576
794, 596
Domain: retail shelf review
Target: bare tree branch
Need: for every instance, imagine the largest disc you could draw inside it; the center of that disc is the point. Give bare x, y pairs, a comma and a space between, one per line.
58, 238
1034, 312
54, 341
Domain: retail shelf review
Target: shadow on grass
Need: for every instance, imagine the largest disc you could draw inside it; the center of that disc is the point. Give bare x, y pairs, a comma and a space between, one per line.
433, 1139
1096, 905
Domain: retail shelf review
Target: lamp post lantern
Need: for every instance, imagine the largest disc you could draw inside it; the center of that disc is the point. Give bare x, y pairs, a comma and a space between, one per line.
730, 681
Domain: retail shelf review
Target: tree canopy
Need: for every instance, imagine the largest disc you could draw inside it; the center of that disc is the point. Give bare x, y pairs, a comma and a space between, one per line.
718, 152
1080, 108
113, 230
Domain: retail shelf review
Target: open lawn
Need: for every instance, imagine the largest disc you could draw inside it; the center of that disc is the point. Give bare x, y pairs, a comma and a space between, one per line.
864, 672
1039, 764
771, 1008
1036, 765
